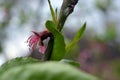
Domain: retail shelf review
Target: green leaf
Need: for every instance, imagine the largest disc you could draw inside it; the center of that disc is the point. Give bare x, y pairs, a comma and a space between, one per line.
76, 38
71, 62
17, 62
45, 71
59, 44
56, 13
52, 13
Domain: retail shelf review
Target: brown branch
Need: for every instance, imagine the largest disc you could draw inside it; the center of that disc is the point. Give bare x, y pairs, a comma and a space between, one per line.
66, 9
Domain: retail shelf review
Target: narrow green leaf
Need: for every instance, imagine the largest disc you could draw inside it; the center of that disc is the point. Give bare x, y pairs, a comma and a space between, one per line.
77, 37
71, 62
59, 44
56, 13
52, 12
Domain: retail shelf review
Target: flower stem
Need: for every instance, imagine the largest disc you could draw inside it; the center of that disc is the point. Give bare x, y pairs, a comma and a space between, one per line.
49, 49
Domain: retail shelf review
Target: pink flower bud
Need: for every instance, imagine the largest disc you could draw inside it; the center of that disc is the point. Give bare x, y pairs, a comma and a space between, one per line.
37, 40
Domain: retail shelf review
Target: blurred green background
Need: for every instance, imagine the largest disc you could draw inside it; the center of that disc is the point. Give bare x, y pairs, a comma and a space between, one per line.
98, 51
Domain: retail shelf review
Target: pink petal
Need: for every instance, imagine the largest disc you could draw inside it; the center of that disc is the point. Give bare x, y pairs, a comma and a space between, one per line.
42, 49
33, 41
